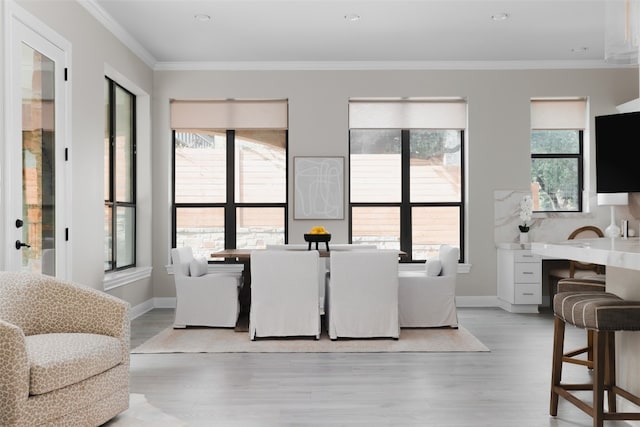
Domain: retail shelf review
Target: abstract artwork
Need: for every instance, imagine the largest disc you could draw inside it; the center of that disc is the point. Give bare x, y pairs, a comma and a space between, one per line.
319, 187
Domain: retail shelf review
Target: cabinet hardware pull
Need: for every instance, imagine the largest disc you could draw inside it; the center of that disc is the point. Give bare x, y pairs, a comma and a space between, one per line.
527, 272
527, 293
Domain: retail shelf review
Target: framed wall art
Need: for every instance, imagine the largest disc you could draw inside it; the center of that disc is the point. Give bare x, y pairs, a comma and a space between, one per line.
318, 187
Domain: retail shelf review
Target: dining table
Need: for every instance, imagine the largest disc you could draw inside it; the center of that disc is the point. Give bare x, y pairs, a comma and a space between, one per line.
244, 256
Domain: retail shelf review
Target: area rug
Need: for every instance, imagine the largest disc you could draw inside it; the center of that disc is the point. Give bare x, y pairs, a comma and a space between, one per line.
142, 414
221, 340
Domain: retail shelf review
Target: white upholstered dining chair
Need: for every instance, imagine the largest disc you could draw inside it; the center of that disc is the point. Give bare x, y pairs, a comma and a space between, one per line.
322, 269
363, 294
284, 294
427, 298
202, 298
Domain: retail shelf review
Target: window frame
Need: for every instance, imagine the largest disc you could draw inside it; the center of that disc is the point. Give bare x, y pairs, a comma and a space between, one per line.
230, 206
406, 206
111, 203
578, 156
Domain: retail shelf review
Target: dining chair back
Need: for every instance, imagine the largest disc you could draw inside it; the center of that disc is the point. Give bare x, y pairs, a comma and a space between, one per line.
284, 294
363, 294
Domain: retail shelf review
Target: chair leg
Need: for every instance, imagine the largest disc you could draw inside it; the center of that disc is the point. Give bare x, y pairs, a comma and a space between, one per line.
556, 369
610, 373
599, 365
590, 348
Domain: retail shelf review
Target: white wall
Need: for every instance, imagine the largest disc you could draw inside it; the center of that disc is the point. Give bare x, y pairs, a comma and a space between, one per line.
498, 134
94, 51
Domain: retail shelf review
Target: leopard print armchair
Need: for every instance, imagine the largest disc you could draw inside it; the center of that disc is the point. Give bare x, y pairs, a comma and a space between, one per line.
64, 353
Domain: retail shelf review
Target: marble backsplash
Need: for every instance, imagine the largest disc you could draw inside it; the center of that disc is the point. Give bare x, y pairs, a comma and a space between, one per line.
550, 227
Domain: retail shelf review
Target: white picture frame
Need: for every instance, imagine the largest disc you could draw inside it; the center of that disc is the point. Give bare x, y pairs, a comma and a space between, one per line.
318, 187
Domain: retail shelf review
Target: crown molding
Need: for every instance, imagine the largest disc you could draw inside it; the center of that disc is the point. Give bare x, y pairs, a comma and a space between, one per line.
120, 33
130, 42
383, 65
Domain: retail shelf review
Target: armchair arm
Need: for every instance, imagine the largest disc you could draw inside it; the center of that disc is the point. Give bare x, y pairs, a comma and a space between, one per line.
14, 372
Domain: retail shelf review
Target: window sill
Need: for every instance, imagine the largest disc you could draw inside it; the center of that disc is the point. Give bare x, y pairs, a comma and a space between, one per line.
462, 268
231, 268
117, 279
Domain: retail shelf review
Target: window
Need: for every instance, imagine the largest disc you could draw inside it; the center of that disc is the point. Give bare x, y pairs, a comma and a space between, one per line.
557, 133
406, 163
120, 178
230, 185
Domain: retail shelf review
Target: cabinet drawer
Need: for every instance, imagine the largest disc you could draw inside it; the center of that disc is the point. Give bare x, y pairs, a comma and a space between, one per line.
526, 272
528, 294
526, 256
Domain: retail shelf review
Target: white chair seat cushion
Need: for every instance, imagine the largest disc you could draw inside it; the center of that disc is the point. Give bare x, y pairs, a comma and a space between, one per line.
198, 267
433, 267
184, 268
62, 359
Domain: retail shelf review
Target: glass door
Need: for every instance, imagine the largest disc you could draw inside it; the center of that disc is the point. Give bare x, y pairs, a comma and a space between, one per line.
35, 152
37, 243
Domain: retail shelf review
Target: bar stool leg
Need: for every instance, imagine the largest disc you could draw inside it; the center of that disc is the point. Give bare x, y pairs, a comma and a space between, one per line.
599, 314
599, 341
610, 378
556, 369
590, 348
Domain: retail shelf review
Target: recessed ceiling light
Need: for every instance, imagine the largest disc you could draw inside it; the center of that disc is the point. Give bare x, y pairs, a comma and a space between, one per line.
502, 16
352, 17
202, 17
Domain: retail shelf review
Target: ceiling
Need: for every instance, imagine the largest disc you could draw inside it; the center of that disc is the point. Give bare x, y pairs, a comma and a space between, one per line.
317, 34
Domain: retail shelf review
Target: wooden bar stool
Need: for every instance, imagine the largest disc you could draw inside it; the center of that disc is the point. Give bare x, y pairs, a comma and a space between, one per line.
595, 283
603, 313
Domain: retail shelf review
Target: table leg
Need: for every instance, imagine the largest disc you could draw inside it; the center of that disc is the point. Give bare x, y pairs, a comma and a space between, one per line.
244, 298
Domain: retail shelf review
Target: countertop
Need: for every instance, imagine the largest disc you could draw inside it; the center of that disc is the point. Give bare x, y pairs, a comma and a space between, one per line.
616, 252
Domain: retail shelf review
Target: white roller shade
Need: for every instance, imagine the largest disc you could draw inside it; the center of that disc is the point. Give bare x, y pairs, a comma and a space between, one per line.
232, 114
558, 114
408, 114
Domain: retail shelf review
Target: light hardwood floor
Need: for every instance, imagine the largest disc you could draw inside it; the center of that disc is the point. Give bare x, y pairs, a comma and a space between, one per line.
507, 387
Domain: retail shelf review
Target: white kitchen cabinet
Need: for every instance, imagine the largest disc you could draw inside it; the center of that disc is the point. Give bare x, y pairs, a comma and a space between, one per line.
519, 278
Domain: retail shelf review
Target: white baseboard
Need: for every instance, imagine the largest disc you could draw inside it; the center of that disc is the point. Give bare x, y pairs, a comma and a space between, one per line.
477, 301
140, 309
165, 302
170, 302
150, 304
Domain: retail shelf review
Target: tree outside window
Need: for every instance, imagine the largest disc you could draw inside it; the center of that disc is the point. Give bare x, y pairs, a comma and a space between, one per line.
557, 132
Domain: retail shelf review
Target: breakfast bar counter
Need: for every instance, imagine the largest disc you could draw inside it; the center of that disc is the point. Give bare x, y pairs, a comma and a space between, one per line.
620, 253
622, 260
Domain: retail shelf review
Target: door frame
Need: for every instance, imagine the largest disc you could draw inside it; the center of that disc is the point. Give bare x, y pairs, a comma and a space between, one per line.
21, 26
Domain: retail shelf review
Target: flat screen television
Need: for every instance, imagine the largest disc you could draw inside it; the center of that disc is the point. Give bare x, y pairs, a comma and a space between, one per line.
618, 153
